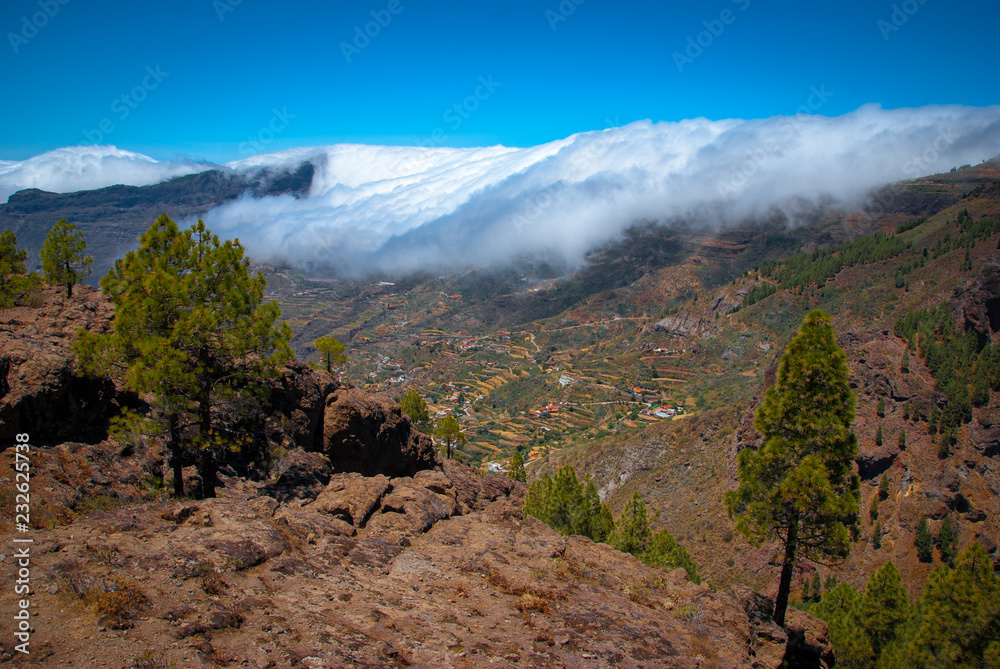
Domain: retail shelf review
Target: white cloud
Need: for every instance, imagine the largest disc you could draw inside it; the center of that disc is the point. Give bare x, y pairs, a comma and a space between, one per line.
404, 208
85, 167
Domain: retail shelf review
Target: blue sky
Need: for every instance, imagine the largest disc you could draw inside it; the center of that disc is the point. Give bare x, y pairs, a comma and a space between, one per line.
221, 79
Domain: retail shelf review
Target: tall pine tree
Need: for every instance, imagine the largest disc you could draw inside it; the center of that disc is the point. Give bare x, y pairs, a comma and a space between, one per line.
15, 282
956, 620
883, 607
799, 487
192, 331
631, 534
449, 430
924, 542
63, 260
416, 408
947, 541
516, 471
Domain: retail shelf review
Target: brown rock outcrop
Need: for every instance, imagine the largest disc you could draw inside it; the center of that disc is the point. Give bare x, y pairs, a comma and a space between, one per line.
298, 401
40, 392
977, 308
367, 433
437, 569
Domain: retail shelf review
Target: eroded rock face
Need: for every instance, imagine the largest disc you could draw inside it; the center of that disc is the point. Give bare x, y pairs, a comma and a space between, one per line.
367, 433
977, 308
438, 569
40, 392
298, 399
352, 498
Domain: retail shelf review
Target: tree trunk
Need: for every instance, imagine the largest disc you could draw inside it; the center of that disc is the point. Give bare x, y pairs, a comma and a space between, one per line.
176, 459
207, 464
207, 468
787, 567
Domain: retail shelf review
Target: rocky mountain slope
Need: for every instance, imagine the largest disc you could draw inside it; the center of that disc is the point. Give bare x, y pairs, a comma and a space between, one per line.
356, 547
113, 218
684, 467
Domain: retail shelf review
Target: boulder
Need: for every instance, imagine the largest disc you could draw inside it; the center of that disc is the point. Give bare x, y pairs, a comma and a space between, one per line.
352, 497
298, 402
476, 491
302, 469
40, 391
411, 509
808, 641
368, 433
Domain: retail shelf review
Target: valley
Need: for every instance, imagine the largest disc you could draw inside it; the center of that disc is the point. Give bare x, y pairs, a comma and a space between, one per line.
648, 382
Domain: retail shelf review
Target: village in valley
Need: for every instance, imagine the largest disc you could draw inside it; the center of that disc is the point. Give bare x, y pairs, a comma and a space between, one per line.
533, 390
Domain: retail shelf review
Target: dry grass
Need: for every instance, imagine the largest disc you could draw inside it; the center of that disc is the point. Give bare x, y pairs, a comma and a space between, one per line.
119, 600
529, 598
531, 602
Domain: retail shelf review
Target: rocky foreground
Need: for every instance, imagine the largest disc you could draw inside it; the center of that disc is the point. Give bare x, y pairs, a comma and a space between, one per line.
437, 570
358, 547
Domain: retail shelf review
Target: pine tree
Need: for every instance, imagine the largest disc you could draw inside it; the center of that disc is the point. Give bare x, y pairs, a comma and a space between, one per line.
192, 330
878, 436
664, 552
799, 487
873, 509
924, 542
516, 470
883, 607
817, 587
901, 443
569, 506
877, 535
906, 411
63, 259
880, 408
631, 533
553, 499
883, 487
946, 442
905, 365
947, 541
332, 352
849, 640
591, 518
416, 408
955, 620
15, 282
980, 387
449, 430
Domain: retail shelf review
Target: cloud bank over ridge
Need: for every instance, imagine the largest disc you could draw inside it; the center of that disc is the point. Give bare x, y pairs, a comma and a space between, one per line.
87, 167
406, 208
